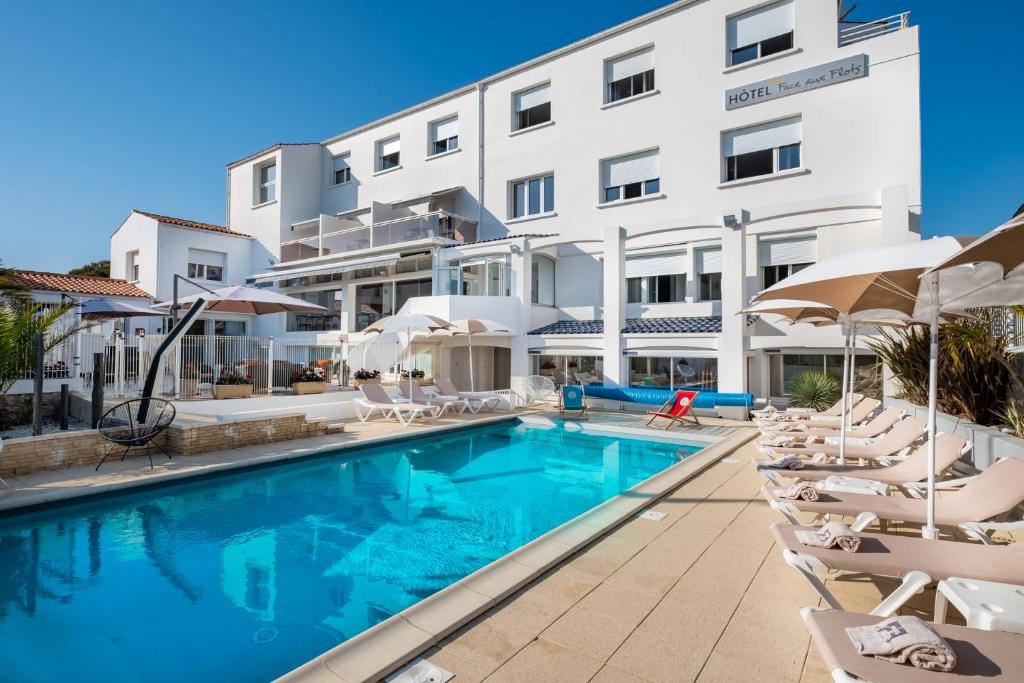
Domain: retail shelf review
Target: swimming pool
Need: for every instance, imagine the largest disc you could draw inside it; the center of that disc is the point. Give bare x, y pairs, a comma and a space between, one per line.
247, 575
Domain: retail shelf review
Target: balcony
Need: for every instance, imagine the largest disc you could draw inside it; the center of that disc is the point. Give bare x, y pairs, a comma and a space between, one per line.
851, 32
331, 235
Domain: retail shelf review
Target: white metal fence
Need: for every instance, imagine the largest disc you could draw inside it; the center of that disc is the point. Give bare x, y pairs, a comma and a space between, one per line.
854, 32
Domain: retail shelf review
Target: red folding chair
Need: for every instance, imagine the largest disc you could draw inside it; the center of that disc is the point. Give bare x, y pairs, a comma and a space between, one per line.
675, 409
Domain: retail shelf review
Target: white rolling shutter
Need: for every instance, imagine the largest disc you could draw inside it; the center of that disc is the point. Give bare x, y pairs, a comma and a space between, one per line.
634, 168
206, 258
389, 146
673, 263
709, 260
787, 251
630, 65
761, 24
340, 163
532, 97
448, 128
763, 136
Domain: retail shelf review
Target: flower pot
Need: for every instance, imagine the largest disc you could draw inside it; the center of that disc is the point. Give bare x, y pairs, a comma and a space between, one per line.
359, 382
232, 391
301, 388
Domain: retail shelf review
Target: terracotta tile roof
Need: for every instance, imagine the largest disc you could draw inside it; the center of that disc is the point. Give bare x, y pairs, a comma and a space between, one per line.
195, 225
78, 284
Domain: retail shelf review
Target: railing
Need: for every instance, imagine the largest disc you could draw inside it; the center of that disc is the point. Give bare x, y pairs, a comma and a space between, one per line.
310, 242
856, 31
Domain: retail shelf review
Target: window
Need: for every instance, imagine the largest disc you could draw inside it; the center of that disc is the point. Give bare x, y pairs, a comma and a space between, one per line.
784, 367
388, 153
320, 321
266, 183
132, 266
709, 274
663, 289
342, 172
542, 289
634, 290
229, 328
656, 278
444, 136
762, 150
760, 33
531, 107
780, 258
569, 369
373, 302
533, 196
629, 76
206, 265
674, 373
629, 177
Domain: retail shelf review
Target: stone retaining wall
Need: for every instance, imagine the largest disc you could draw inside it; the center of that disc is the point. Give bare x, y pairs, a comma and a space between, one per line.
72, 449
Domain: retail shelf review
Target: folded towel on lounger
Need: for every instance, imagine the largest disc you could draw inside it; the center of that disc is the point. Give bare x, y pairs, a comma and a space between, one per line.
904, 639
830, 535
803, 490
780, 441
786, 462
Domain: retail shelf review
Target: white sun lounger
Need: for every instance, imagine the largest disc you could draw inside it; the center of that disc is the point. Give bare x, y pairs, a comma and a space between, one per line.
375, 399
445, 403
481, 399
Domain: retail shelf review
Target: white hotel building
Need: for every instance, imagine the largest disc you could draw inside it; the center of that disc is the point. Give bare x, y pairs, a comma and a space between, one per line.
615, 202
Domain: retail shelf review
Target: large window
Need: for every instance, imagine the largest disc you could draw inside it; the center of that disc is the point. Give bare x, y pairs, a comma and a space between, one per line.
266, 183
342, 172
373, 302
206, 265
569, 369
709, 274
389, 153
320, 321
444, 135
531, 107
674, 373
132, 266
543, 281
631, 176
762, 150
532, 196
629, 76
760, 33
784, 367
480, 276
229, 328
656, 278
780, 258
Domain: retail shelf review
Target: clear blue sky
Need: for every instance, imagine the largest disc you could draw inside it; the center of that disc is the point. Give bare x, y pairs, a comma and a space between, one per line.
109, 106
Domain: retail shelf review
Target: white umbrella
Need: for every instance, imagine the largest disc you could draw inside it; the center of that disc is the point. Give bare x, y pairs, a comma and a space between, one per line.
245, 299
887, 283
409, 323
106, 309
474, 326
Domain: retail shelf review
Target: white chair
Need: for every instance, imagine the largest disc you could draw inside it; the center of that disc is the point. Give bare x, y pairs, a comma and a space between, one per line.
538, 388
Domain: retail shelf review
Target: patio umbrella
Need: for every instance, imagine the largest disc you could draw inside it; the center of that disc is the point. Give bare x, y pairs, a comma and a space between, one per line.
245, 299
887, 283
474, 326
108, 309
409, 323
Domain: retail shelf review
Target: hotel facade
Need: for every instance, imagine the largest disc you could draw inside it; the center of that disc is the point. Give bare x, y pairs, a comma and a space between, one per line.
615, 203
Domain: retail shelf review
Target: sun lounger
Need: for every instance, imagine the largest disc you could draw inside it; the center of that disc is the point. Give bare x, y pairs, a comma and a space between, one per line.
676, 409
478, 400
917, 561
804, 413
901, 436
375, 399
572, 398
993, 492
877, 425
445, 403
948, 449
980, 655
858, 413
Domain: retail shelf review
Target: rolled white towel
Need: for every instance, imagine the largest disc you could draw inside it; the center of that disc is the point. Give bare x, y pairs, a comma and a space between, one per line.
803, 490
904, 639
830, 535
779, 441
786, 462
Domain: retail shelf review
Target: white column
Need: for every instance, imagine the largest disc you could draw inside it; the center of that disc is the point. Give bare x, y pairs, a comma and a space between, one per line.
614, 300
732, 365
522, 275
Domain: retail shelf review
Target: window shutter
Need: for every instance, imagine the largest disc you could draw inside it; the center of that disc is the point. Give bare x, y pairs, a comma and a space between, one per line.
448, 128
630, 65
786, 251
340, 162
709, 260
673, 263
761, 24
532, 97
634, 168
764, 136
207, 258
390, 146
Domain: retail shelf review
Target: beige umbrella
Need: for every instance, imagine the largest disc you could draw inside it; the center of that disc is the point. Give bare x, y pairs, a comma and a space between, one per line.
1003, 245
409, 323
474, 326
244, 299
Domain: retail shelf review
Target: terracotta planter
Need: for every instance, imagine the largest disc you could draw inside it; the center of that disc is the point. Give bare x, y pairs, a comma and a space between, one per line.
359, 382
232, 391
301, 388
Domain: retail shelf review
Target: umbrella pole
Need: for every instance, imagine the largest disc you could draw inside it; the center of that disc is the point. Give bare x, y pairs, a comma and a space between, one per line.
472, 387
845, 399
853, 375
408, 342
929, 531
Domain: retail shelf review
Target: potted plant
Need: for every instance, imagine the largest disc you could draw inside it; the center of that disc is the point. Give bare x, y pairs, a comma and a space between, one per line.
230, 384
189, 386
365, 377
308, 381
417, 375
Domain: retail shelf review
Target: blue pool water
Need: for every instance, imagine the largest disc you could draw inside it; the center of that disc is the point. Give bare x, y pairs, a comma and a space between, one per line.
245, 576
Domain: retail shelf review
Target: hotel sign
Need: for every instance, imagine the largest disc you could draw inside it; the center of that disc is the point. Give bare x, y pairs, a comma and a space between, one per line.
799, 81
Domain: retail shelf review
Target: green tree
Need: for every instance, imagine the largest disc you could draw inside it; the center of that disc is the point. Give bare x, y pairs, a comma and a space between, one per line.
96, 269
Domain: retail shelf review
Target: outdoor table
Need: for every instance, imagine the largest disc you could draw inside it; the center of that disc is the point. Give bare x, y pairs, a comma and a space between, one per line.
986, 605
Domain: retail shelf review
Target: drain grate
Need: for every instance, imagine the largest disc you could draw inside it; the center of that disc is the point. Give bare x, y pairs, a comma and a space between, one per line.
420, 671
653, 515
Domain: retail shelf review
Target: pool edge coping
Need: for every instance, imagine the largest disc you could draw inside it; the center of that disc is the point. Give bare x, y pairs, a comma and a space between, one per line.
384, 647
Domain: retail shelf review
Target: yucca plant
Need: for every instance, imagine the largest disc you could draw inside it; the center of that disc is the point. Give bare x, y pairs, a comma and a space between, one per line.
1013, 416
813, 389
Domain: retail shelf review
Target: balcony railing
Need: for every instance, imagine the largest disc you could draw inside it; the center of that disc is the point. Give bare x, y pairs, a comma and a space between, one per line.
312, 239
851, 32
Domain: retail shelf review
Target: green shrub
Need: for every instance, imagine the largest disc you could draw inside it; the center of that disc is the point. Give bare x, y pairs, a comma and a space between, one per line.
812, 389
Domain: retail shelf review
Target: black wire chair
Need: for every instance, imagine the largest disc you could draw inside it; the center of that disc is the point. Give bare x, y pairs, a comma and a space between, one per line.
121, 426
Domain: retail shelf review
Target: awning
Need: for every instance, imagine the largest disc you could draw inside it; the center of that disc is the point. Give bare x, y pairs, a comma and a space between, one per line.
424, 198
326, 268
